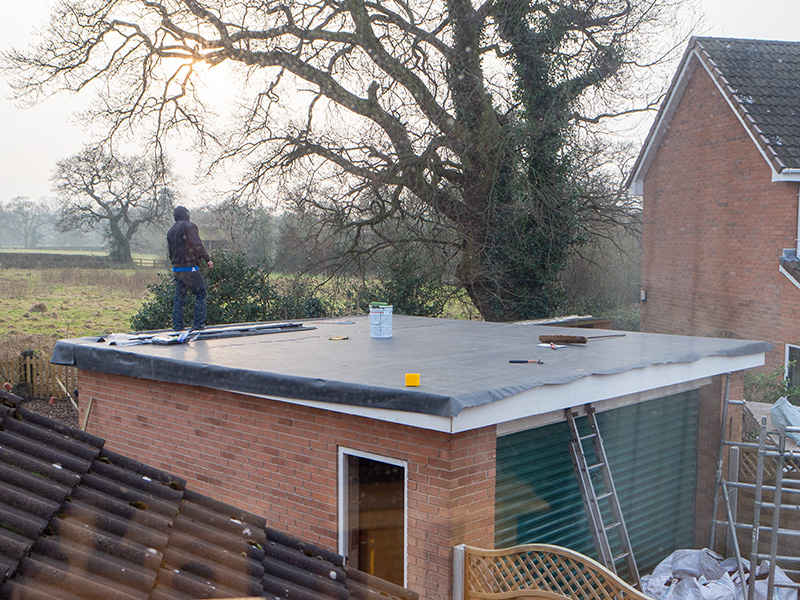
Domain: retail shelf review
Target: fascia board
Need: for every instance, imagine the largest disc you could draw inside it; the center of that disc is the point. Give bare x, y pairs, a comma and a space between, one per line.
786, 175
550, 398
510, 427
412, 419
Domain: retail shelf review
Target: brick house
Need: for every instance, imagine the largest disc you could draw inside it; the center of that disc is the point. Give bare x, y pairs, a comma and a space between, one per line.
313, 427
720, 174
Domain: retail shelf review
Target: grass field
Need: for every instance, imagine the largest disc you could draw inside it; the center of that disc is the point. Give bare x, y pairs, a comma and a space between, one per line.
38, 307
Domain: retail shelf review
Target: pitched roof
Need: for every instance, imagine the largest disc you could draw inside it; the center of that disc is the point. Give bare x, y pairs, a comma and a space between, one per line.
78, 521
760, 79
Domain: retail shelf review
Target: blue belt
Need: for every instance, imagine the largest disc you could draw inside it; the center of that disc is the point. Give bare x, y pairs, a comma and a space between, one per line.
184, 269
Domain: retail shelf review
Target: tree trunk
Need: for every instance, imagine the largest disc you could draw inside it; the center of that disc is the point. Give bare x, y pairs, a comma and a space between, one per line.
119, 243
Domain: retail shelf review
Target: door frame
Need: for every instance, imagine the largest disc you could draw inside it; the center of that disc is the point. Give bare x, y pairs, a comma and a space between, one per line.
343, 478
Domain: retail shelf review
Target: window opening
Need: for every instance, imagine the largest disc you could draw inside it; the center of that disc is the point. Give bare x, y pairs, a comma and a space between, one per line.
793, 370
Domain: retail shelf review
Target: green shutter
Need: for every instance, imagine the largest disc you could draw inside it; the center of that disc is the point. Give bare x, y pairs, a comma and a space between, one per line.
651, 448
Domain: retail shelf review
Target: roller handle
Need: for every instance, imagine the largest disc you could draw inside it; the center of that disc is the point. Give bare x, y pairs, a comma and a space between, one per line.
574, 339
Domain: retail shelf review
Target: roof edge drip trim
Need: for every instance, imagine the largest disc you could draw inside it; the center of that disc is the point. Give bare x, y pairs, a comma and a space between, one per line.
252, 382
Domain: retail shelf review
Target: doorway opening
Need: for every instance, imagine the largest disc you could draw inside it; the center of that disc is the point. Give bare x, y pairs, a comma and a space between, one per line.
373, 514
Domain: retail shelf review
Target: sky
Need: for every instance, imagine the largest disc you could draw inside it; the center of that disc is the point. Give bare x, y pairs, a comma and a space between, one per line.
34, 139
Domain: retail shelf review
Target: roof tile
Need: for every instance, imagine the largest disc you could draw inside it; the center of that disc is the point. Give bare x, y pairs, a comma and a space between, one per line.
763, 77
80, 522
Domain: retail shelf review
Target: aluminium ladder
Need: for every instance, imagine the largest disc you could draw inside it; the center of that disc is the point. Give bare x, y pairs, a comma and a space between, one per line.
603, 502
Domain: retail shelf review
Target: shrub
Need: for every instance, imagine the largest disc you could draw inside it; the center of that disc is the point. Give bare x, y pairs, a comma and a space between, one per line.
410, 285
413, 287
237, 293
769, 387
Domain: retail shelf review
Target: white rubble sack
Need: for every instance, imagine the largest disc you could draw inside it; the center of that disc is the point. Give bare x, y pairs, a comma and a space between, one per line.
704, 575
784, 413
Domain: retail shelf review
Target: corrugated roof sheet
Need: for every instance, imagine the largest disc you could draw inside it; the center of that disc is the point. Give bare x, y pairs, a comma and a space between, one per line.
80, 522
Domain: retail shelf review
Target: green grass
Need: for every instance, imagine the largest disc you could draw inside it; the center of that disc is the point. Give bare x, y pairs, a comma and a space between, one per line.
38, 307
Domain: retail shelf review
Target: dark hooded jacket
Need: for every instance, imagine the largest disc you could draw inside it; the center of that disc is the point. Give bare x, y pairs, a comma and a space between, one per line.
186, 249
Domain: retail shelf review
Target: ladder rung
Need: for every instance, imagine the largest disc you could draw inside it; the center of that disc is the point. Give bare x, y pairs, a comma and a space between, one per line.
591, 498
621, 556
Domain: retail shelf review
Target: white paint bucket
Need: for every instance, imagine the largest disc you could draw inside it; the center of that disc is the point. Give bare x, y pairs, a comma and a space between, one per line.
380, 320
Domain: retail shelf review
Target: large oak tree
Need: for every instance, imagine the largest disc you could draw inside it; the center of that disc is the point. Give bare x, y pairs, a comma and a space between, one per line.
453, 121
117, 195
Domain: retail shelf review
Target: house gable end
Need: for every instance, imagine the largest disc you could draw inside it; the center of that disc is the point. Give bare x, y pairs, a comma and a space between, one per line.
767, 107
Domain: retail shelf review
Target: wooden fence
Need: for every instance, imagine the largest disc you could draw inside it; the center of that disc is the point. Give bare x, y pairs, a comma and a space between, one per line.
150, 262
35, 377
537, 571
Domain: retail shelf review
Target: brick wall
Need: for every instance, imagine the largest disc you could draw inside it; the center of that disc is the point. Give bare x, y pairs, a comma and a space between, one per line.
281, 460
714, 227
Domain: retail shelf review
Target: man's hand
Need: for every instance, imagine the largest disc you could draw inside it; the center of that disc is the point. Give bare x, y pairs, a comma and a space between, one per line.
210, 264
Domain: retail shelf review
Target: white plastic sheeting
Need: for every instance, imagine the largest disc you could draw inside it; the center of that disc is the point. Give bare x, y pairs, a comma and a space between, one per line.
704, 575
785, 414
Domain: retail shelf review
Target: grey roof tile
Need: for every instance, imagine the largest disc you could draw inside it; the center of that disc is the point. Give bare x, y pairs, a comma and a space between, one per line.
79, 522
367, 587
763, 81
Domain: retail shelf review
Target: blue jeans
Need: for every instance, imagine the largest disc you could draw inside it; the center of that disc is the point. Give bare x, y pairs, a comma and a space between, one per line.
189, 281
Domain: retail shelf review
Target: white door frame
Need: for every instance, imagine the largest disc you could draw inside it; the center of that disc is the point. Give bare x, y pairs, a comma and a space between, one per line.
343, 503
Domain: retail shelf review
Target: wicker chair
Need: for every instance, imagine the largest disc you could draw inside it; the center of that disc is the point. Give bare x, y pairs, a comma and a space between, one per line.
540, 571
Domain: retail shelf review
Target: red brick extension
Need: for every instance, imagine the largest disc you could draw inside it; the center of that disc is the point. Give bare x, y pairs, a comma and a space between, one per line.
280, 461
714, 227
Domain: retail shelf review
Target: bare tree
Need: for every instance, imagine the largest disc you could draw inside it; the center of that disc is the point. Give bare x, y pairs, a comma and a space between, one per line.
456, 116
118, 195
28, 220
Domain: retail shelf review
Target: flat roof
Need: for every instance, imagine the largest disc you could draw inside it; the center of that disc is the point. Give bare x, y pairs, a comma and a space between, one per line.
466, 380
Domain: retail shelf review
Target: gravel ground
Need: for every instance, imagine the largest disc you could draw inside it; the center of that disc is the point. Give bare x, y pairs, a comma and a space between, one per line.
62, 410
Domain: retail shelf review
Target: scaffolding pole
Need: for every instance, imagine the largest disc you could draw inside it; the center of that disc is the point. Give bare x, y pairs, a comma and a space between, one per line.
785, 499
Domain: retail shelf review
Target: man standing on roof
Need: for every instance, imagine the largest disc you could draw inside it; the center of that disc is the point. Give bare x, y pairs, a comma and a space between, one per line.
186, 250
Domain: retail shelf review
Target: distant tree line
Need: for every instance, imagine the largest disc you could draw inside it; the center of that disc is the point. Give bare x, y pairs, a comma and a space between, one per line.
31, 224
601, 278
